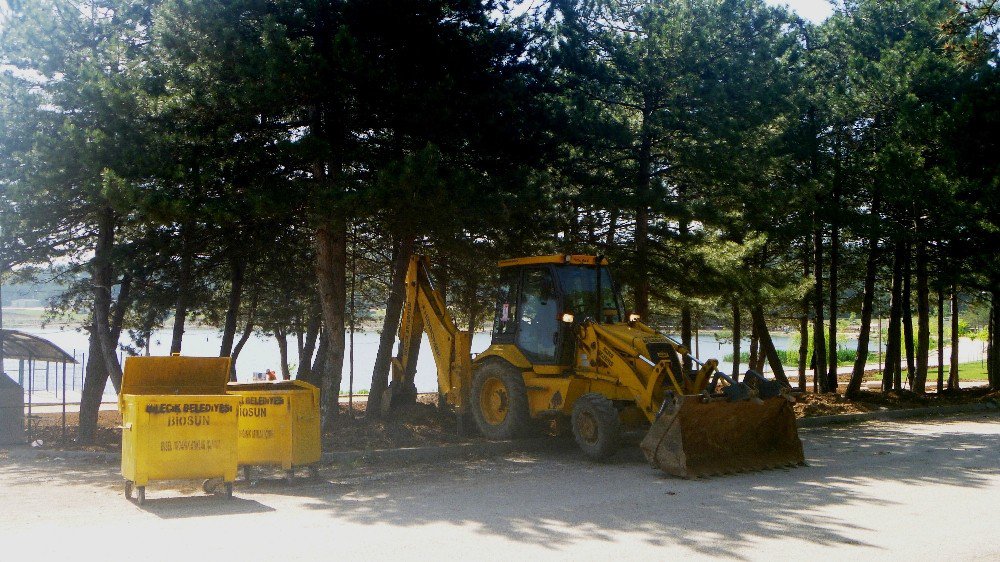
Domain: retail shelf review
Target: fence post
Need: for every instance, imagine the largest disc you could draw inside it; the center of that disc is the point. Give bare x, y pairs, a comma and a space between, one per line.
64, 402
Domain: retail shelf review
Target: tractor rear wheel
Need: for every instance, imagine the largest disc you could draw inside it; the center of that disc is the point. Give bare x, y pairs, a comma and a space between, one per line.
500, 401
596, 426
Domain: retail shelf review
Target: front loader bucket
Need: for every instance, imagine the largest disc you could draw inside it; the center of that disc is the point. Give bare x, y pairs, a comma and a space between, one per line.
698, 438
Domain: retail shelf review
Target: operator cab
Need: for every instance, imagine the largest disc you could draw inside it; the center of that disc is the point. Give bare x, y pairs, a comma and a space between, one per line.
542, 299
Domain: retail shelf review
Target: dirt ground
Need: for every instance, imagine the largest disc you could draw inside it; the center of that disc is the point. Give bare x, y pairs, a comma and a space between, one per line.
925, 490
423, 424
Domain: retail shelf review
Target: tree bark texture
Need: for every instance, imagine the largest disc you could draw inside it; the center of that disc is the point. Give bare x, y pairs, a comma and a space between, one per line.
867, 305
236, 273
993, 346
644, 164
767, 346
736, 339
686, 337
103, 362
940, 338
183, 290
953, 366
281, 337
331, 280
893, 350
923, 321
831, 375
314, 322
819, 335
907, 300
390, 327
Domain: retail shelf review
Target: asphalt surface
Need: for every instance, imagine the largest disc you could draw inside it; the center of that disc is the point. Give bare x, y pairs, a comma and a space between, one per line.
925, 489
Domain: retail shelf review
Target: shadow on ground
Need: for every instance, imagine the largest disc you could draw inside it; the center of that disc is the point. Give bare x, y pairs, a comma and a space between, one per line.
556, 499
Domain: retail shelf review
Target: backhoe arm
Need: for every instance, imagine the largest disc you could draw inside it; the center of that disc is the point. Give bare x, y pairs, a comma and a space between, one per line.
424, 310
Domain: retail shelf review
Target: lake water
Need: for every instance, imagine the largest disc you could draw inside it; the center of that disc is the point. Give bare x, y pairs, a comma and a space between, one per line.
261, 353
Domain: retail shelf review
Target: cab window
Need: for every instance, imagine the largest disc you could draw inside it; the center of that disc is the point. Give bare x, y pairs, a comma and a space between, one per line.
538, 326
505, 320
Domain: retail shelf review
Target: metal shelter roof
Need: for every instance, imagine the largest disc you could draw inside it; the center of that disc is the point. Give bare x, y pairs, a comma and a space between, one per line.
19, 345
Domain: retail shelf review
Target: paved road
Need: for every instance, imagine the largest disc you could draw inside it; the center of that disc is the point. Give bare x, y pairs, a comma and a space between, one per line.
916, 490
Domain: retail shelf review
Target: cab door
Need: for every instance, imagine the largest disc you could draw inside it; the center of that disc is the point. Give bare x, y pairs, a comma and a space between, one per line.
539, 326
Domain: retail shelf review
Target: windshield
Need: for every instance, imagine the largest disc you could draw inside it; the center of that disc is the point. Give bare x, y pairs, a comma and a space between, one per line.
579, 287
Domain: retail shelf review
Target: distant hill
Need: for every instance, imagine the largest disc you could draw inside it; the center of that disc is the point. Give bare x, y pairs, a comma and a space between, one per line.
40, 291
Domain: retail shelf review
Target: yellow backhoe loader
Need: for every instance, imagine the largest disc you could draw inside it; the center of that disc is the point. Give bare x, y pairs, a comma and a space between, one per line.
563, 348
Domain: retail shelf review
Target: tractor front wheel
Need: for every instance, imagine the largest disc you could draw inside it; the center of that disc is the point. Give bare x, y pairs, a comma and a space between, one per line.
596, 426
500, 401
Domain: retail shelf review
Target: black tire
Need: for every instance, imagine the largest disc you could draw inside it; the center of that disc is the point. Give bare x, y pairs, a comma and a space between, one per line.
513, 401
228, 493
597, 428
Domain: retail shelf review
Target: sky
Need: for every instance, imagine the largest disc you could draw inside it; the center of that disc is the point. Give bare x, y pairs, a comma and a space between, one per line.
813, 10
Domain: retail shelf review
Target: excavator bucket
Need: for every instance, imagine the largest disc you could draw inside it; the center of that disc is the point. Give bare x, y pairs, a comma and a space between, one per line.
704, 438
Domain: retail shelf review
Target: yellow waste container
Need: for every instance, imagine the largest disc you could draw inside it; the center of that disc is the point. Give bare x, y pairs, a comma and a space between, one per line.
279, 425
178, 422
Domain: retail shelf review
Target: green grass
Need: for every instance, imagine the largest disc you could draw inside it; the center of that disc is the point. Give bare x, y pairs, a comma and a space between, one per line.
975, 371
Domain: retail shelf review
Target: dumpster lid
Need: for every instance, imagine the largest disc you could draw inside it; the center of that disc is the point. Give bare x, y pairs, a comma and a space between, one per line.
175, 375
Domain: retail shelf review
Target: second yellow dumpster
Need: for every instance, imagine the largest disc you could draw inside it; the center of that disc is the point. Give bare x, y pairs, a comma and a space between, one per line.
177, 421
279, 424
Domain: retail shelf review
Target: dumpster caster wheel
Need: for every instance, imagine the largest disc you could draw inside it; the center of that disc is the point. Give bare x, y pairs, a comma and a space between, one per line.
140, 495
290, 476
229, 491
211, 485
128, 489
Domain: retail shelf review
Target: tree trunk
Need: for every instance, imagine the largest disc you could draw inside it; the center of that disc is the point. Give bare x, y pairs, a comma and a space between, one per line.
237, 270
736, 339
923, 321
282, 338
993, 332
754, 346
893, 350
94, 382
644, 164
940, 338
245, 336
804, 321
908, 315
183, 290
831, 384
331, 277
320, 362
390, 325
867, 304
686, 337
102, 347
767, 346
309, 347
819, 335
953, 367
